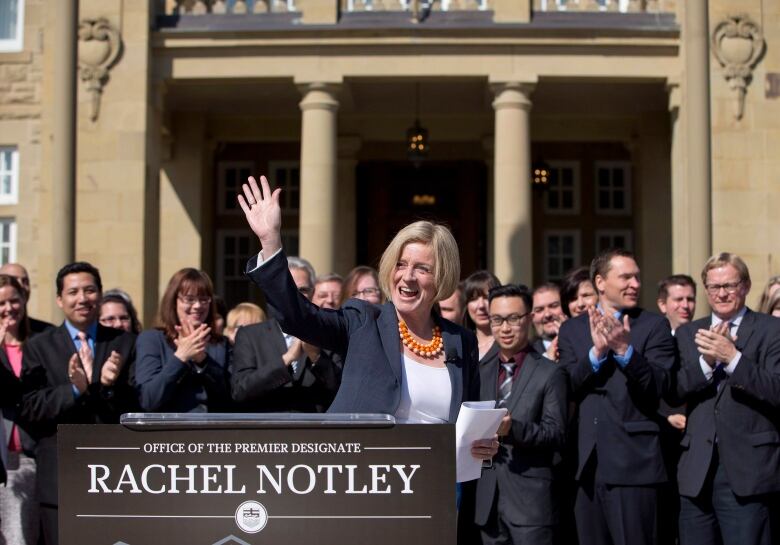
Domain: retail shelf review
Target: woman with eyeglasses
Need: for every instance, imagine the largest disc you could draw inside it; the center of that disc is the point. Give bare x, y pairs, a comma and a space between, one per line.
362, 283
182, 364
117, 311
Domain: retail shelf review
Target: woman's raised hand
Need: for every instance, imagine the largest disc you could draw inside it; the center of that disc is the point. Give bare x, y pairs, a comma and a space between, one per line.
263, 213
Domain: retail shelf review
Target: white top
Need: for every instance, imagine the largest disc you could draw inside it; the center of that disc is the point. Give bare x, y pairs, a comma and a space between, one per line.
426, 393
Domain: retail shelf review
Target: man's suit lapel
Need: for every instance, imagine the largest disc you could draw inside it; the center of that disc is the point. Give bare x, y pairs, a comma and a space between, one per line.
530, 363
745, 330
388, 333
4, 361
64, 348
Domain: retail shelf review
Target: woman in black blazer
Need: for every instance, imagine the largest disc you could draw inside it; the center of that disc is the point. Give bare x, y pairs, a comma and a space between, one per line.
401, 358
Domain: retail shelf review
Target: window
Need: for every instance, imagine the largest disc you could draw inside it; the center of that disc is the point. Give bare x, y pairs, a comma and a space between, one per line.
561, 253
9, 175
234, 248
613, 187
287, 175
230, 176
613, 238
562, 194
11, 25
7, 241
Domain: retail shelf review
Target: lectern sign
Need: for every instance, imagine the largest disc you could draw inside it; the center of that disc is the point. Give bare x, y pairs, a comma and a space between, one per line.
218, 485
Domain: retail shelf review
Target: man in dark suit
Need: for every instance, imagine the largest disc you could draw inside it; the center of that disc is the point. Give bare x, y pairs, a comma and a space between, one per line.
620, 359
729, 471
515, 502
20, 273
547, 316
77, 373
275, 372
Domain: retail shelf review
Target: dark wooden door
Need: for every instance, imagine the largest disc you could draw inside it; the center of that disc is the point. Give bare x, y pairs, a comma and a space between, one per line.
391, 195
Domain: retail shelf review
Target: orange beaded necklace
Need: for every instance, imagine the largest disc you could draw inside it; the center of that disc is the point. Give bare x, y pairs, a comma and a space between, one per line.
430, 350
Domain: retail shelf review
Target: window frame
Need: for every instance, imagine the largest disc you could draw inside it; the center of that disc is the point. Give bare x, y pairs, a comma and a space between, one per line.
576, 258
611, 165
222, 235
628, 234
222, 167
12, 239
16, 44
13, 196
576, 188
273, 166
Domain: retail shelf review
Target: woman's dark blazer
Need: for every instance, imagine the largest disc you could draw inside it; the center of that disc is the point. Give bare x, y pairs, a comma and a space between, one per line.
368, 335
166, 384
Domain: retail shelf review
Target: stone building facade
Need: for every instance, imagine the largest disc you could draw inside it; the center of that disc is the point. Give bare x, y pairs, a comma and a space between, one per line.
657, 121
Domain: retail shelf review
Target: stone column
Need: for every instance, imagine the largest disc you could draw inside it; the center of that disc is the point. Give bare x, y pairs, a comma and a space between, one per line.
64, 133
512, 226
319, 195
696, 109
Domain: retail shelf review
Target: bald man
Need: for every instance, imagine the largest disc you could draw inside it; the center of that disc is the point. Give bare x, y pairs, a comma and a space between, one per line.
20, 273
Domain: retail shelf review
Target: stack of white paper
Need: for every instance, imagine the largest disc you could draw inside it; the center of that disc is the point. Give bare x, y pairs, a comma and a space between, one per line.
476, 420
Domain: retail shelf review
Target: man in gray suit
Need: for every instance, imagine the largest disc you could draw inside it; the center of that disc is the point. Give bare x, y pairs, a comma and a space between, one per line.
729, 471
515, 502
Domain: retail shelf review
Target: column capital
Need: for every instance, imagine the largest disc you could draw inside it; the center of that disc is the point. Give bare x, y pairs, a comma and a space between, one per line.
319, 95
515, 94
675, 93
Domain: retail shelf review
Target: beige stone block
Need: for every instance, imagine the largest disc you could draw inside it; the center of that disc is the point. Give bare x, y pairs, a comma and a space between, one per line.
739, 208
733, 174
97, 207
132, 146
737, 145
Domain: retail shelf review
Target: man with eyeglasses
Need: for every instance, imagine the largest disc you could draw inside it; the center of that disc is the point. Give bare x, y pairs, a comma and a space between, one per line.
276, 372
77, 373
620, 359
729, 471
515, 501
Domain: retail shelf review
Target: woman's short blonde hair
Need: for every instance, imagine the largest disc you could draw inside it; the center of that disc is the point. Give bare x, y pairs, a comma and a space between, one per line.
446, 258
251, 313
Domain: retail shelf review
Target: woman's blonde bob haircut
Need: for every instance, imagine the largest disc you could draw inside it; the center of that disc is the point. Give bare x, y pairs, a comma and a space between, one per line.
446, 258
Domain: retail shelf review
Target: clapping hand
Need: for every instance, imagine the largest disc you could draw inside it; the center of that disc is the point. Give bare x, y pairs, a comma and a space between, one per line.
76, 374
111, 369
263, 213
552, 351
293, 353
597, 332
715, 344
191, 342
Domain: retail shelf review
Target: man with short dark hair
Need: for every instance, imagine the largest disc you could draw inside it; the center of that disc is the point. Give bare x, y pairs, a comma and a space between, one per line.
729, 469
20, 273
677, 299
515, 501
78, 373
619, 359
547, 319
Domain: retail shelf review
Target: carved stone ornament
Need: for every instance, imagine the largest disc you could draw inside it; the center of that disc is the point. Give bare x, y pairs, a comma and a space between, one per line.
99, 46
737, 43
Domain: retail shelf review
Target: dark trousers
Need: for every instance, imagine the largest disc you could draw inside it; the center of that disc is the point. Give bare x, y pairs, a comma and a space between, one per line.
49, 524
720, 517
501, 530
615, 515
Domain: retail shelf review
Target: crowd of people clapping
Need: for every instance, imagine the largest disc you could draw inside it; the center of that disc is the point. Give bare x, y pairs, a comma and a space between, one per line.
625, 425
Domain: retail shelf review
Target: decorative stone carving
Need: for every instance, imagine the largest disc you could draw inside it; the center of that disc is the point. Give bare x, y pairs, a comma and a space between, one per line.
737, 43
99, 48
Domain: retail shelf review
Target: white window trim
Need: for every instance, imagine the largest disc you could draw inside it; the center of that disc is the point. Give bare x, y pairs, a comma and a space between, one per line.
222, 234
15, 44
628, 234
12, 240
222, 167
273, 166
13, 196
577, 257
626, 166
575, 210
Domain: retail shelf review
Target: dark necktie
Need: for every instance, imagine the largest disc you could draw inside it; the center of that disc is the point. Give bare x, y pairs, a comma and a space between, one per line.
505, 389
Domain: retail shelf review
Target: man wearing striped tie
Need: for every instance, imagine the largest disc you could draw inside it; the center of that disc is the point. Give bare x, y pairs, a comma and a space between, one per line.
729, 470
515, 503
